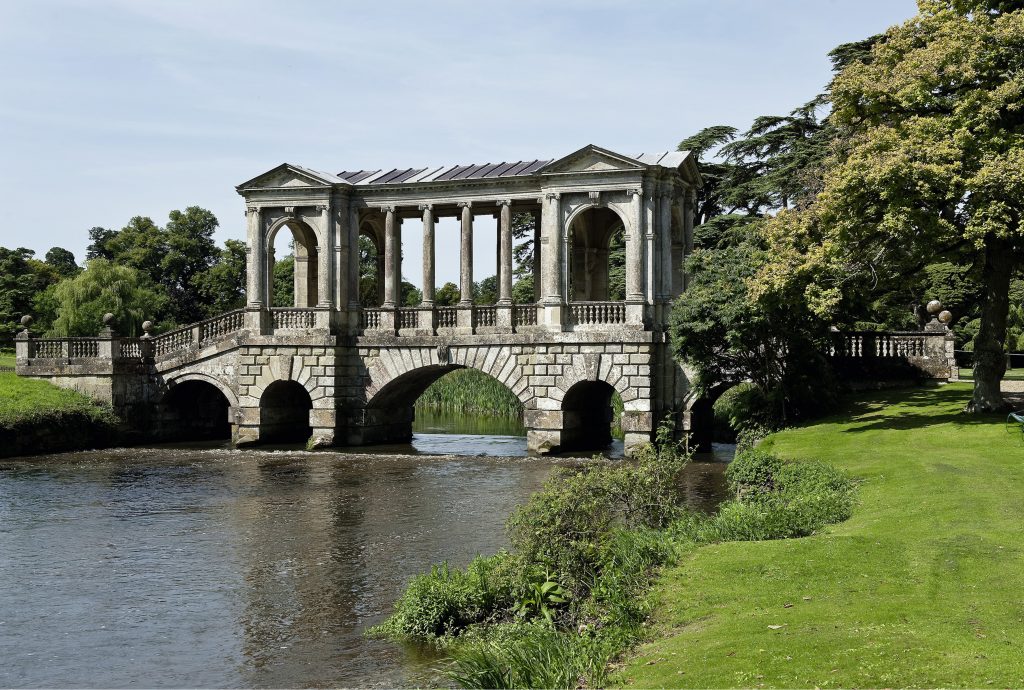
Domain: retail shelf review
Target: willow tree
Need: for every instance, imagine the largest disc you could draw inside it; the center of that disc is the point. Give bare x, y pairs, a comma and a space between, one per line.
104, 287
930, 162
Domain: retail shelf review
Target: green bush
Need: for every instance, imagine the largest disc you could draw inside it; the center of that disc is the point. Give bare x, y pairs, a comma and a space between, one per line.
774, 500
445, 601
567, 526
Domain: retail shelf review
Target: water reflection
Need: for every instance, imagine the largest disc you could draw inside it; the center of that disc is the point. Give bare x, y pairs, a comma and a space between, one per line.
171, 567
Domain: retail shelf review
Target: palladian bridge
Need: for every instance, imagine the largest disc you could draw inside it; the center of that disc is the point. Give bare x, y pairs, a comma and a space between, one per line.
339, 372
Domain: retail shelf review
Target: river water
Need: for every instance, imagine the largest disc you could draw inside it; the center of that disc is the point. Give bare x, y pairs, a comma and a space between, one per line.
210, 567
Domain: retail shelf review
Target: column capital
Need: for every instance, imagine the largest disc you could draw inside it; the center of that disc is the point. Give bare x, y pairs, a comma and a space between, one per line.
465, 204
426, 207
388, 208
636, 191
322, 207
291, 210
252, 209
595, 197
503, 202
550, 196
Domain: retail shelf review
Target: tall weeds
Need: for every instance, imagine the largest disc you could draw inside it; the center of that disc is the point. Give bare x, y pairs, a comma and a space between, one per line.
469, 391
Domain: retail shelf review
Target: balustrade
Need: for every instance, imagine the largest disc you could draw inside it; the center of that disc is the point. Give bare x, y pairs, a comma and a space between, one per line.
292, 318
408, 318
222, 325
597, 313
524, 315
878, 344
486, 316
447, 317
369, 319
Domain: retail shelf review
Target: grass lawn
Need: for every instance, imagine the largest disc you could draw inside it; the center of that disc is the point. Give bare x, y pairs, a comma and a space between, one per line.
967, 374
23, 399
922, 587
6, 358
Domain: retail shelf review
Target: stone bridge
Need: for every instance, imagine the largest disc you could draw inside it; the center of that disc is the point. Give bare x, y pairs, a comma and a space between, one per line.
340, 368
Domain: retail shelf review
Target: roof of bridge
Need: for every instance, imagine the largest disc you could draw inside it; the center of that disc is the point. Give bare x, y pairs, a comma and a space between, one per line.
667, 159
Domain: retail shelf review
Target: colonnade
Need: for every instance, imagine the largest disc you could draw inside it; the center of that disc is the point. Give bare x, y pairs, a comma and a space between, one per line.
656, 220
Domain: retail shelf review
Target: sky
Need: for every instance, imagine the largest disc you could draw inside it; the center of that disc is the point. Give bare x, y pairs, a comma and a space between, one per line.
115, 108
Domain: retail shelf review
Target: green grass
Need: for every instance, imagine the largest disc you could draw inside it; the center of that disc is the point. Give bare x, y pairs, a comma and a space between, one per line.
967, 374
470, 391
6, 358
922, 587
23, 399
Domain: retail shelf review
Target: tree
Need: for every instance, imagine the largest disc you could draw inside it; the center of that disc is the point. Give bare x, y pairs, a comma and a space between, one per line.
931, 166
104, 287
63, 261
411, 296
447, 295
522, 291
486, 291
98, 239
190, 252
222, 286
284, 282
18, 287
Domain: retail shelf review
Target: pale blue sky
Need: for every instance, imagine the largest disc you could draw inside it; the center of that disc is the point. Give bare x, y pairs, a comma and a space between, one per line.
110, 109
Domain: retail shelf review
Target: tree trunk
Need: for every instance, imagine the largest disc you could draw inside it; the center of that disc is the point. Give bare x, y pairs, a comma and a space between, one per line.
989, 357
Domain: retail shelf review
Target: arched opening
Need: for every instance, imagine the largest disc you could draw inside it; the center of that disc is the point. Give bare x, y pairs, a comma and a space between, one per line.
284, 413
587, 416
196, 411
597, 257
293, 265
371, 265
443, 409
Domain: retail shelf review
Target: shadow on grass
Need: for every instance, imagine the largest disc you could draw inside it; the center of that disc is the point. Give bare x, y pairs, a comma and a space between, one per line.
917, 408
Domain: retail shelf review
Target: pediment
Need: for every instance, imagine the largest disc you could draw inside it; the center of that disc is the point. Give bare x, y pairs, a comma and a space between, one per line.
591, 159
287, 175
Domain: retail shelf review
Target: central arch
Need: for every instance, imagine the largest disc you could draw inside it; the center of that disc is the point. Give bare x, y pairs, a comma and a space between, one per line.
587, 416
284, 413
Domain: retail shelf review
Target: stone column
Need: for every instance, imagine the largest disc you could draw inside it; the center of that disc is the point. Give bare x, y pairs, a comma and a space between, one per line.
665, 240
353, 263
428, 254
688, 214
635, 261
255, 260
341, 249
466, 255
425, 320
536, 254
505, 256
325, 260
551, 261
391, 251
503, 312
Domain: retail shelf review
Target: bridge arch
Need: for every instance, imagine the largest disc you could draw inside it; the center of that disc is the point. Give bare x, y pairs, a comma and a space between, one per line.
285, 408
197, 407
307, 247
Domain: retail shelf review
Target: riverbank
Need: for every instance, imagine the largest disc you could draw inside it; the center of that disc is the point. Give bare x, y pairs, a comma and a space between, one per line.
37, 417
921, 587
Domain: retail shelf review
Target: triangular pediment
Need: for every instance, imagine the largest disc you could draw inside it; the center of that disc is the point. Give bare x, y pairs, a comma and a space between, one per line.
289, 175
592, 159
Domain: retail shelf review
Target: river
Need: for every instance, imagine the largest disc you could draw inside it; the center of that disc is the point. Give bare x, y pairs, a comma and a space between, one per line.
202, 566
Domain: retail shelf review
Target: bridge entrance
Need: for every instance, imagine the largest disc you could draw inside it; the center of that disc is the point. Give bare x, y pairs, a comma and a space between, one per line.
196, 411
587, 416
284, 413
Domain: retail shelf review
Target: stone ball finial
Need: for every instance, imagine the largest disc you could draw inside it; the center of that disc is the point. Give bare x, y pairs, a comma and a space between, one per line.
946, 316
147, 326
934, 307
26, 320
108, 319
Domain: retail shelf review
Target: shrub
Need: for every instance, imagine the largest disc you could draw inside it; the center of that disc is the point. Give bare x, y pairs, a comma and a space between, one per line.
532, 656
445, 601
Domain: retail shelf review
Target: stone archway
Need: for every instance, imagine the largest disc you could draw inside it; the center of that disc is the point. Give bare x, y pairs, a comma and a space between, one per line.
285, 413
597, 245
306, 257
195, 409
